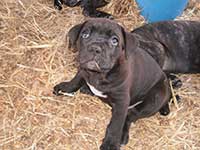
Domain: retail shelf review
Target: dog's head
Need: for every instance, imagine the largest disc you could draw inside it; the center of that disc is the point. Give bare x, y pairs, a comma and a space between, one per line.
101, 43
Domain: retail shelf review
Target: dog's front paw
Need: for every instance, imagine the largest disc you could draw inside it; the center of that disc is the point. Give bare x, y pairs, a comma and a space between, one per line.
61, 88
177, 83
58, 4
109, 146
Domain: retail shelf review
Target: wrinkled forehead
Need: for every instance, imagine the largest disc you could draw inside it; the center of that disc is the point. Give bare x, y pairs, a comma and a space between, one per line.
103, 26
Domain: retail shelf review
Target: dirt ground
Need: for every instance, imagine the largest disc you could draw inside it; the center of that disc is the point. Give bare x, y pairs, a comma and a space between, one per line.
34, 56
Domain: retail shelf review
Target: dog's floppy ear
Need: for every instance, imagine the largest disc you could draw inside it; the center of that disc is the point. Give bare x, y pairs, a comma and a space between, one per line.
73, 35
130, 42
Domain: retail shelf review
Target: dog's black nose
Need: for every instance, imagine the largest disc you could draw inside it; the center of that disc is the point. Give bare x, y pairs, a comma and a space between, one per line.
95, 49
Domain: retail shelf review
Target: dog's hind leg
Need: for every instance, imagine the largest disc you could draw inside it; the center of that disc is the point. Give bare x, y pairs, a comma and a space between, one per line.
165, 110
156, 99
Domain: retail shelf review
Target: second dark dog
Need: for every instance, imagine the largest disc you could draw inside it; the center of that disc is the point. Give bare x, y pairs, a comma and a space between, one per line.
89, 6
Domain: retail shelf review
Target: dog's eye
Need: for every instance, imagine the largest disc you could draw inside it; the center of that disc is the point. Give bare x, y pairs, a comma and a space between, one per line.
114, 41
85, 35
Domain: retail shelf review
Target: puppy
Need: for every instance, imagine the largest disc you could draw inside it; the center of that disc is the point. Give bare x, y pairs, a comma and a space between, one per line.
89, 6
71, 3
175, 45
120, 73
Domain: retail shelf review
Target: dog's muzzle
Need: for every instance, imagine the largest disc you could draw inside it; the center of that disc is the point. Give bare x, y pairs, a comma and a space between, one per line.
91, 65
94, 51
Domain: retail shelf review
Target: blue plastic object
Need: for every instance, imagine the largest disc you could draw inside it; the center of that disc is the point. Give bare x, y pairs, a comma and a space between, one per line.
160, 10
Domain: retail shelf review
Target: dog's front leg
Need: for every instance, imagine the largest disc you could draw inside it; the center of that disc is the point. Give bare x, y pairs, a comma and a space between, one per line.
114, 129
71, 86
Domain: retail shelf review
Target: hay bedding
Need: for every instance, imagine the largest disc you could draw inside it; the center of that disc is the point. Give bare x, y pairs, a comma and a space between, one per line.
34, 57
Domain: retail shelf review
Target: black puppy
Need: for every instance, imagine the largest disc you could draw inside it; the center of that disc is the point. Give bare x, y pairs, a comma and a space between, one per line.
125, 70
89, 6
120, 73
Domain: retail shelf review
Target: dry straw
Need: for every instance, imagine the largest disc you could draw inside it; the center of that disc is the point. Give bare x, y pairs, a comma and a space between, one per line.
34, 57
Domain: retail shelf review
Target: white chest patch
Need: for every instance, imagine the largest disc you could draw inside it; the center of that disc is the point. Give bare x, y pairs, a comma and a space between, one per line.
96, 92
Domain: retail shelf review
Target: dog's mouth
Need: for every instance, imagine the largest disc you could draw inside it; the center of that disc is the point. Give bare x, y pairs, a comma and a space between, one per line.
91, 66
